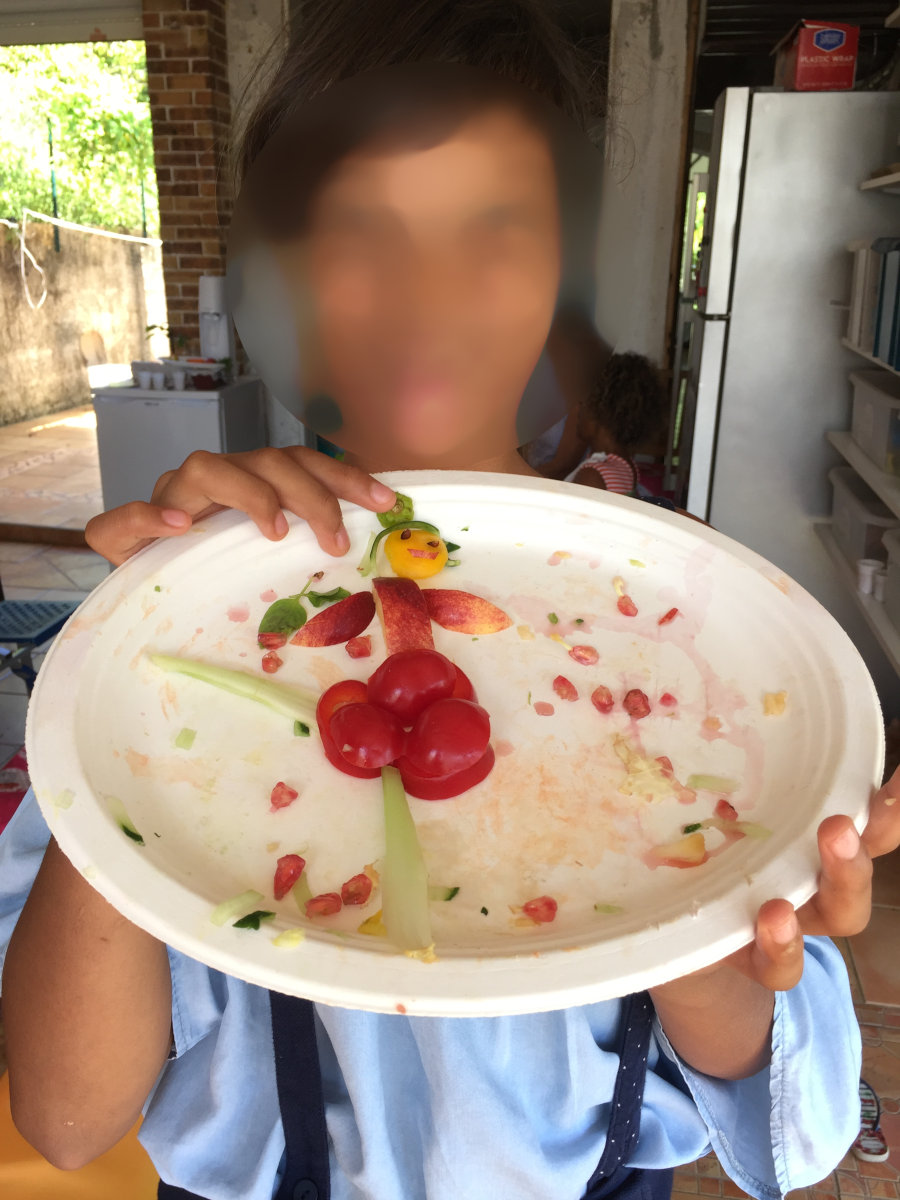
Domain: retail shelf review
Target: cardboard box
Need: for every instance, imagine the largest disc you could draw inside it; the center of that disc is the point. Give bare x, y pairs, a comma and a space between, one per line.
817, 56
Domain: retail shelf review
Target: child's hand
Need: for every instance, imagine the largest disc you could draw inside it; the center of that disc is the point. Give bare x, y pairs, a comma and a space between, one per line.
261, 483
719, 1018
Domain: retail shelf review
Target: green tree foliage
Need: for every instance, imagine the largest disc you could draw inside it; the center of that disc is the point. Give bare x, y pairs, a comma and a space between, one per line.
94, 96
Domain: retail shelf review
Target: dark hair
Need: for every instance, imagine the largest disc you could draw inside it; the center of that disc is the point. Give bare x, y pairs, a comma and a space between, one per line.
629, 400
338, 39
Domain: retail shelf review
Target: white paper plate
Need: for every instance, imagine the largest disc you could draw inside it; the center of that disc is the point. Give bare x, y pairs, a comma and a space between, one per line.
549, 820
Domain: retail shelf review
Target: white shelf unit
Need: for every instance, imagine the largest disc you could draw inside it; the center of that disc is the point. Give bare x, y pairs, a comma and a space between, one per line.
872, 610
886, 487
882, 183
868, 357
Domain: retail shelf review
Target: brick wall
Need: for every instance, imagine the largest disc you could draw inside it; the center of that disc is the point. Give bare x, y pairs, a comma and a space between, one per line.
187, 73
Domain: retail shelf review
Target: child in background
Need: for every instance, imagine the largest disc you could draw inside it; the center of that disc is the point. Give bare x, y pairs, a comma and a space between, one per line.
249, 1095
625, 413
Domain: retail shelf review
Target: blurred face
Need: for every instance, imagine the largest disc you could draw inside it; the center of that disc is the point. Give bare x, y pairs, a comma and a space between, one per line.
433, 277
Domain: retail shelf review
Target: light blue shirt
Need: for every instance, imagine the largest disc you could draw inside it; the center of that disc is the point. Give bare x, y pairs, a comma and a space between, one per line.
422, 1108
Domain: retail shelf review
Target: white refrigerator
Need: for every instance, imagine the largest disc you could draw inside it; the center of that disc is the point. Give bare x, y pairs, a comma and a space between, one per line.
142, 433
767, 375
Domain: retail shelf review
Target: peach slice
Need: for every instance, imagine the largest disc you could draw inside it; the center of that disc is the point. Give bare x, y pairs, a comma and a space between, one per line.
339, 623
463, 612
688, 851
403, 613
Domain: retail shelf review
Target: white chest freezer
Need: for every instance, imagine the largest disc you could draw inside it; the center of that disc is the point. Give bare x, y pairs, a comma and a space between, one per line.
142, 433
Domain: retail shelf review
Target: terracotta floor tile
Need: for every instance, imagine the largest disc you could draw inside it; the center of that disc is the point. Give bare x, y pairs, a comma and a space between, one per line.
730, 1188
876, 955
881, 1069
710, 1186
850, 1185
683, 1195
709, 1165
878, 1170
890, 1127
685, 1183
886, 880
881, 1188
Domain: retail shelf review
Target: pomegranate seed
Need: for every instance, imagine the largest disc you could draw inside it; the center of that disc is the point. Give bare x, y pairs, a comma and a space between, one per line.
283, 795
636, 704
356, 890
541, 911
627, 606
725, 811
666, 618
564, 688
272, 641
584, 654
324, 905
359, 647
667, 700
602, 699
271, 662
543, 709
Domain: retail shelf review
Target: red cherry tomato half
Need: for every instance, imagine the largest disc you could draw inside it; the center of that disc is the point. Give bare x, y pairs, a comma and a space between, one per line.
288, 870
359, 647
356, 890
348, 691
324, 905
410, 680
463, 689
542, 910
283, 795
366, 736
449, 736
430, 787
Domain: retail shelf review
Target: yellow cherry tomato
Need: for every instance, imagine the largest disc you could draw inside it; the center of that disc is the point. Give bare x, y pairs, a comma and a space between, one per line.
415, 553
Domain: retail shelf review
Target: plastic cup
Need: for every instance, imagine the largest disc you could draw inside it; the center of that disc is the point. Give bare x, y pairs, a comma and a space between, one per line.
159, 381
878, 585
865, 574
178, 380
144, 379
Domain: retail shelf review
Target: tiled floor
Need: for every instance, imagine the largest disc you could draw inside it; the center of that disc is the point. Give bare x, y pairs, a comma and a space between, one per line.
49, 470
49, 476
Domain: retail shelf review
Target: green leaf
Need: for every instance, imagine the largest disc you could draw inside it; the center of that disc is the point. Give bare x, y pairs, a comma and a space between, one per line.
402, 511
284, 616
252, 920
185, 739
317, 599
451, 547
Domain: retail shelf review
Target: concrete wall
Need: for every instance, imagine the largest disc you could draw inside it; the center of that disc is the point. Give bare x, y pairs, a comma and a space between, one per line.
652, 54
93, 283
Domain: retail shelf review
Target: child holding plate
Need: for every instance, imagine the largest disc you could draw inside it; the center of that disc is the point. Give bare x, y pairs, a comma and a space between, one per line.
419, 229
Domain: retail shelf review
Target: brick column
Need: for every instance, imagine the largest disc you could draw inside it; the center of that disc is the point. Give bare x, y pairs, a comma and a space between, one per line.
187, 76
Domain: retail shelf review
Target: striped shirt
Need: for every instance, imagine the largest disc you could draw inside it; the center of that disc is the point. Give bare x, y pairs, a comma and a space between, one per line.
617, 473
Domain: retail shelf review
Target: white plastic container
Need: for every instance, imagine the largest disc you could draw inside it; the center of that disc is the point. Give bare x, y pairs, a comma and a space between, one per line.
858, 517
876, 417
892, 583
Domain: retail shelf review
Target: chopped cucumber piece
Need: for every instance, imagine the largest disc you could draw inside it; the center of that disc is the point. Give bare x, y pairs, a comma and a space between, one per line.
302, 892
692, 828
301, 729
484, 911
122, 819
441, 893
553, 618
185, 739
712, 783
237, 906
402, 510
291, 702
404, 879
252, 920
